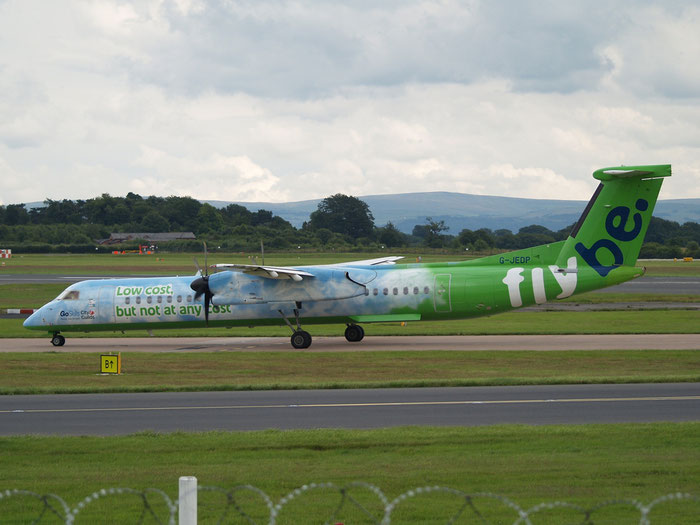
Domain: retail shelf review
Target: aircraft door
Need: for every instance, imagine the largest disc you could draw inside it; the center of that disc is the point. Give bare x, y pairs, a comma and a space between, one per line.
441, 292
105, 305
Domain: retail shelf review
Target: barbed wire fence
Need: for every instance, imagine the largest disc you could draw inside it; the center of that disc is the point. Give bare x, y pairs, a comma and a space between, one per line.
251, 505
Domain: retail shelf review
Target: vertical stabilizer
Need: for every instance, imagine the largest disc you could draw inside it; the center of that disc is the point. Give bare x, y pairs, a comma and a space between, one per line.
610, 232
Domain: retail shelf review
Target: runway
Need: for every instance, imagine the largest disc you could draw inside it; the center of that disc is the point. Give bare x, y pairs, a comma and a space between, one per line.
369, 344
116, 414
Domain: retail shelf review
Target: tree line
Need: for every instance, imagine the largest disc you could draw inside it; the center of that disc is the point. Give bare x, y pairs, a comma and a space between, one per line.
340, 223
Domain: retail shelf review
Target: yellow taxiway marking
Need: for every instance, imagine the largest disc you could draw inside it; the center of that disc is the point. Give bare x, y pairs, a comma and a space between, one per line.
372, 404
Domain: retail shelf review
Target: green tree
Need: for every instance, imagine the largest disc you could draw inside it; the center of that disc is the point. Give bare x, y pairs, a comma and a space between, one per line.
235, 214
420, 231
324, 235
16, 214
261, 217
121, 213
466, 237
209, 219
154, 222
390, 236
343, 214
433, 234
181, 212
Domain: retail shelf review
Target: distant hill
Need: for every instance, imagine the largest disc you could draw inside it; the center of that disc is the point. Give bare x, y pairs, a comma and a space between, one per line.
461, 210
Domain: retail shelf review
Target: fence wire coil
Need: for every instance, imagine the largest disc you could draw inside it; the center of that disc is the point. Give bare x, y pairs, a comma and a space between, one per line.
155, 506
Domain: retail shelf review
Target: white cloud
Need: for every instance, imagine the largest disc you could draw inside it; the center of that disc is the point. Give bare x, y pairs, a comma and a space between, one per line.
216, 177
295, 100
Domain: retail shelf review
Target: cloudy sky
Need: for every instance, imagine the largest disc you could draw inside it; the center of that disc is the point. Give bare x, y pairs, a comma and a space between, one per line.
283, 101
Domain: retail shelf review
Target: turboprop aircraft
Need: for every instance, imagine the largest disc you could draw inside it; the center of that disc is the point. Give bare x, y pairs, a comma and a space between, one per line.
601, 251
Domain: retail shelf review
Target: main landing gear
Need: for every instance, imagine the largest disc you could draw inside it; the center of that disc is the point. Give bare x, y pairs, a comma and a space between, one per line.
354, 333
300, 338
58, 339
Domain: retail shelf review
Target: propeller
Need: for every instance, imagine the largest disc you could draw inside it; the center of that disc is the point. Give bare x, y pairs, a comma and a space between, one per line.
200, 286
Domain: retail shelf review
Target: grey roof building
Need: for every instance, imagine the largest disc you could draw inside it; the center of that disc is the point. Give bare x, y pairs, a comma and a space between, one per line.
116, 238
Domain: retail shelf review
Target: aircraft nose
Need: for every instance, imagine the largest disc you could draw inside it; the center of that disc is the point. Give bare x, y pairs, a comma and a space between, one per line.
34, 320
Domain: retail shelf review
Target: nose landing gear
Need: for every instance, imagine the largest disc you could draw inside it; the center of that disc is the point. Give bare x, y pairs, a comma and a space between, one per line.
58, 339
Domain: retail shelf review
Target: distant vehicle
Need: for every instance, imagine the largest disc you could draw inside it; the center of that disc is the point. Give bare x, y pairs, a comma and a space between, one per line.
601, 251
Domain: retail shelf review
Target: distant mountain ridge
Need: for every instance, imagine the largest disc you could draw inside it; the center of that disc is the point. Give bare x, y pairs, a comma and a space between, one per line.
463, 210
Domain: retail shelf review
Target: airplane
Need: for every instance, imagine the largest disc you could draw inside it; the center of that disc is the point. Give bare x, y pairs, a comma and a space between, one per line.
601, 251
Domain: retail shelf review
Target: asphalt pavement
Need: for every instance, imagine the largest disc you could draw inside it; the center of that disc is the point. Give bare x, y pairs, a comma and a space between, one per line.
115, 414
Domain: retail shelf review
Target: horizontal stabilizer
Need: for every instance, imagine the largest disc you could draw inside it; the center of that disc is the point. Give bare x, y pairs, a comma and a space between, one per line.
625, 172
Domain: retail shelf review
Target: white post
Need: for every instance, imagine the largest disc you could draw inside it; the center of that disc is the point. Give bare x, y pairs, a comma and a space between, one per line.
188, 500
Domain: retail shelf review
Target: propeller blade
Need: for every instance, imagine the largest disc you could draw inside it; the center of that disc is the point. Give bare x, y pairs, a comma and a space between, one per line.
206, 264
196, 265
200, 286
204, 273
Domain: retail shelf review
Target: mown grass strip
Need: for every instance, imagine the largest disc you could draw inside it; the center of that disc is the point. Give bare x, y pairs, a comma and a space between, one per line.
603, 298
580, 464
181, 263
54, 372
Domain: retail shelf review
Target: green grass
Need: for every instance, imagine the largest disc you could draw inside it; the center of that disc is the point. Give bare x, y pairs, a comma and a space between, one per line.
28, 295
664, 268
64, 372
581, 464
604, 298
182, 263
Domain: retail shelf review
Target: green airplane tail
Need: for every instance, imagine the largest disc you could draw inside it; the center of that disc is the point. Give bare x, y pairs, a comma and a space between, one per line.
611, 229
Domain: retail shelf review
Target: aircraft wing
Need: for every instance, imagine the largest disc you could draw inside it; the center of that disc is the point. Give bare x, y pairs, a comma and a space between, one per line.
370, 262
269, 272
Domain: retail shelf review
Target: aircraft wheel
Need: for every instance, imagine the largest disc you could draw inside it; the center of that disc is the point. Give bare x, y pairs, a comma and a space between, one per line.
301, 339
354, 333
58, 340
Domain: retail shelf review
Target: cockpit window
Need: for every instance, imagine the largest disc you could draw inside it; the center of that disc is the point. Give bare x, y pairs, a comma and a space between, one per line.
69, 295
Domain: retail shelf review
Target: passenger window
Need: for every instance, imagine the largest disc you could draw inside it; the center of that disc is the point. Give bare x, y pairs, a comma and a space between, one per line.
426, 290
179, 298
127, 300
415, 290
385, 291
395, 291
405, 290
170, 299
149, 299
160, 299
189, 298
375, 291
138, 300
